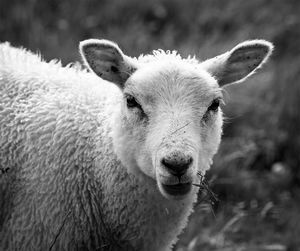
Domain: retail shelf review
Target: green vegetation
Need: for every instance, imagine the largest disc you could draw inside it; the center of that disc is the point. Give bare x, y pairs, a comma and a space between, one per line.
256, 173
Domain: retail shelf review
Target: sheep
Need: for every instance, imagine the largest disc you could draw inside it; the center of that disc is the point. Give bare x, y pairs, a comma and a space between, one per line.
105, 158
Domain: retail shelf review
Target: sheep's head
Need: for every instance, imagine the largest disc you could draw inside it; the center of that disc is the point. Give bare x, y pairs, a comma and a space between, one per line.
170, 122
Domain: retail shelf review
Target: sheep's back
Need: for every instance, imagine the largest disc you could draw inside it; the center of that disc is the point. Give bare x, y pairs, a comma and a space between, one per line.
51, 119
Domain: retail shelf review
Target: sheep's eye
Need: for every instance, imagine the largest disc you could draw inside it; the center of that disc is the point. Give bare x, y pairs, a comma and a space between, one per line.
212, 109
214, 106
131, 102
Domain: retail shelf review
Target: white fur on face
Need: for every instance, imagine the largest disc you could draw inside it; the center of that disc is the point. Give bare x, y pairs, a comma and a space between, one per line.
174, 97
170, 96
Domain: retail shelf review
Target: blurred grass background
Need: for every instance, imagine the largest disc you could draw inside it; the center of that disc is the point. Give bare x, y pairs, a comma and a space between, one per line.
256, 173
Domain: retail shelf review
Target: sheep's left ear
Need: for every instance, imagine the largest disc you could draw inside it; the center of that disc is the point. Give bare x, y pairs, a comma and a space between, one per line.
107, 60
236, 65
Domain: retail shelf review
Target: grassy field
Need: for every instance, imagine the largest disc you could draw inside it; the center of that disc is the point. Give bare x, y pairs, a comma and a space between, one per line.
256, 172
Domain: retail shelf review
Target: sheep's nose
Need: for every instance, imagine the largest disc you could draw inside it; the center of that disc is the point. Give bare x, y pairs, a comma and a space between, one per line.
177, 163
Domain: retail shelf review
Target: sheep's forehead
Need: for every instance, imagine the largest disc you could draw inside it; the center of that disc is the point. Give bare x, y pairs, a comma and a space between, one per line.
172, 81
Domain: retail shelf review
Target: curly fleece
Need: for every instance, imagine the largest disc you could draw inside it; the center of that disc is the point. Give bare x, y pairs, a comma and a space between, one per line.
61, 184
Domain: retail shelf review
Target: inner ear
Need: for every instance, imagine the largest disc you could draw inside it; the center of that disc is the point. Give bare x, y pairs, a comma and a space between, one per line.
236, 65
102, 59
107, 60
243, 61
114, 69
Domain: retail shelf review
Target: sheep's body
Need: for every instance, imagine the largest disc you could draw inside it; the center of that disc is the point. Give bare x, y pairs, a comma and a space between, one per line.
88, 165
61, 185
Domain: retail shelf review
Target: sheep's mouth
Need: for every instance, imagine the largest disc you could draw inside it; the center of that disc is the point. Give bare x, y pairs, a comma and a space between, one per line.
177, 189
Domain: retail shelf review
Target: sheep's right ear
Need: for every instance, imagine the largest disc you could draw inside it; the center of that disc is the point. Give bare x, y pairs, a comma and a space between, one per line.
107, 60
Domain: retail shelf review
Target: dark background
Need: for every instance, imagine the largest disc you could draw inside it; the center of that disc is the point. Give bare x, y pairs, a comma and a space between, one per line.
256, 173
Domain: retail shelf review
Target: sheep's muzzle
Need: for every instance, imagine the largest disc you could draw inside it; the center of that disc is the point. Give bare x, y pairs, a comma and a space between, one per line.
177, 189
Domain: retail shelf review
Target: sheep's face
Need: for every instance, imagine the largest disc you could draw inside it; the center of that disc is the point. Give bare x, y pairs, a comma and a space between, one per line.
170, 123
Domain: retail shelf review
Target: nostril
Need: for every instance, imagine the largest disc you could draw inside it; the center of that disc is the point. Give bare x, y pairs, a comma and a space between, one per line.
177, 165
189, 160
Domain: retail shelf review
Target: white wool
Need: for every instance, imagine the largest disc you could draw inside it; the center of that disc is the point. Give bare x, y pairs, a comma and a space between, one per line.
81, 170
